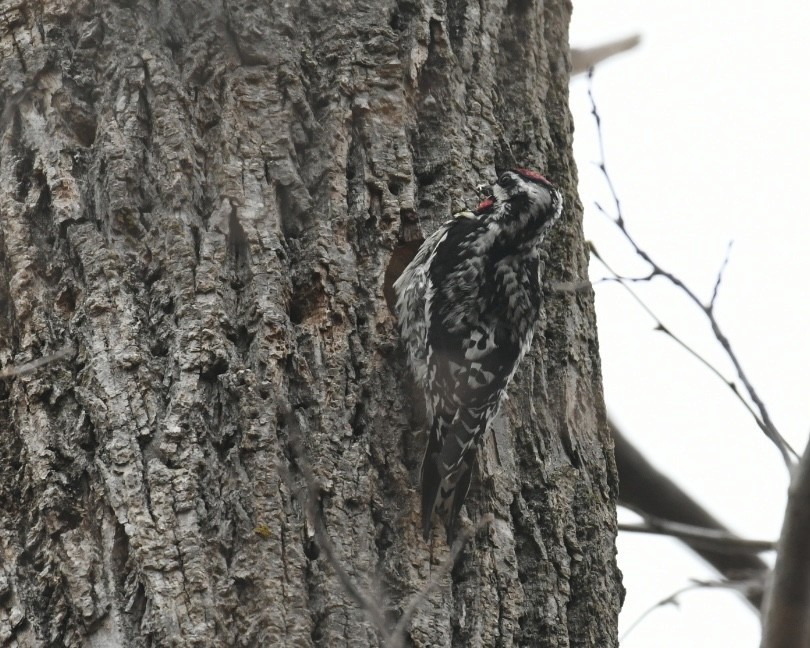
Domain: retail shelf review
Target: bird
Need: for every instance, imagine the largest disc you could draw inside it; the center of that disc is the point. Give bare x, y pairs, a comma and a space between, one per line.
466, 307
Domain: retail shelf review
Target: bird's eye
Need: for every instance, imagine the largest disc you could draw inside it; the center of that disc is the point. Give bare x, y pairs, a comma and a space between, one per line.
506, 180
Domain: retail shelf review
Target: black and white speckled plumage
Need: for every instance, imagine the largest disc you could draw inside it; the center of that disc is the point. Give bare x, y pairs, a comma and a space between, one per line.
467, 305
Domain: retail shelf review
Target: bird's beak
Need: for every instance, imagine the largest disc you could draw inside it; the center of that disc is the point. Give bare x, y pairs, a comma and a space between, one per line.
484, 191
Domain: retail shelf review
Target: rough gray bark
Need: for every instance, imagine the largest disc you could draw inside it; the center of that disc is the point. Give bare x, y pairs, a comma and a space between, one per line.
202, 199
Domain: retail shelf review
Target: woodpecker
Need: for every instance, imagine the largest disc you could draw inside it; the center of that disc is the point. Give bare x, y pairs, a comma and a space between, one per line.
466, 307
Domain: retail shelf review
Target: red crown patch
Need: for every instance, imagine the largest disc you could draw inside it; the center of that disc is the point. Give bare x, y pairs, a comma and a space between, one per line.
530, 175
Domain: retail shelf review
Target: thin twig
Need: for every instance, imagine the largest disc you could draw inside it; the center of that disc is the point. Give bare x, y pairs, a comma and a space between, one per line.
763, 418
571, 286
672, 599
601, 163
435, 580
31, 367
585, 284
660, 326
367, 604
716, 290
373, 610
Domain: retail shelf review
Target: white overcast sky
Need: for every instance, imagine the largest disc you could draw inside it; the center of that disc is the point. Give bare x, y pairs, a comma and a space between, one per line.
707, 141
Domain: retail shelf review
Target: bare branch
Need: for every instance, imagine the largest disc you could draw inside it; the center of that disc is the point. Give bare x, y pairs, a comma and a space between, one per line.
584, 59
435, 580
713, 539
660, 326
31, 367
371, 607
787, 605
763, 418
672, 599
650, 493
367, 604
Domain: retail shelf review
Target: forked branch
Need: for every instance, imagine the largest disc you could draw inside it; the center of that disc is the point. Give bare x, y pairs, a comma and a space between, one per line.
756, 406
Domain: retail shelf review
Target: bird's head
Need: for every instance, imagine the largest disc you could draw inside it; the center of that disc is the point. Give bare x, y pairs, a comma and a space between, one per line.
520, 182
522, 194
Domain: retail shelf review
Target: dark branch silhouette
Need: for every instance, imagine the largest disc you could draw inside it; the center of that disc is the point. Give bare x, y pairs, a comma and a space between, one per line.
653, 495
712, 539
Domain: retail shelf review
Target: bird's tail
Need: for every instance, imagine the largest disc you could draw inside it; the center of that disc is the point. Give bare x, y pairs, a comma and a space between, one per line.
447, 470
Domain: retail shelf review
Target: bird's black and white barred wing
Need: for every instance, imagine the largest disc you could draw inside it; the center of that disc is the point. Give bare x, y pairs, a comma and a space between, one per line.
411, 290
468, 371
472, 352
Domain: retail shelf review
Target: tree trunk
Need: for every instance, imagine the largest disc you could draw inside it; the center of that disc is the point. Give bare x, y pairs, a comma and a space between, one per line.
199, 203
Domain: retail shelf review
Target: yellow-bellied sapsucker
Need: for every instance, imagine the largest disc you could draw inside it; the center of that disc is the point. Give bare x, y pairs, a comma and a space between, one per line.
467, 305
